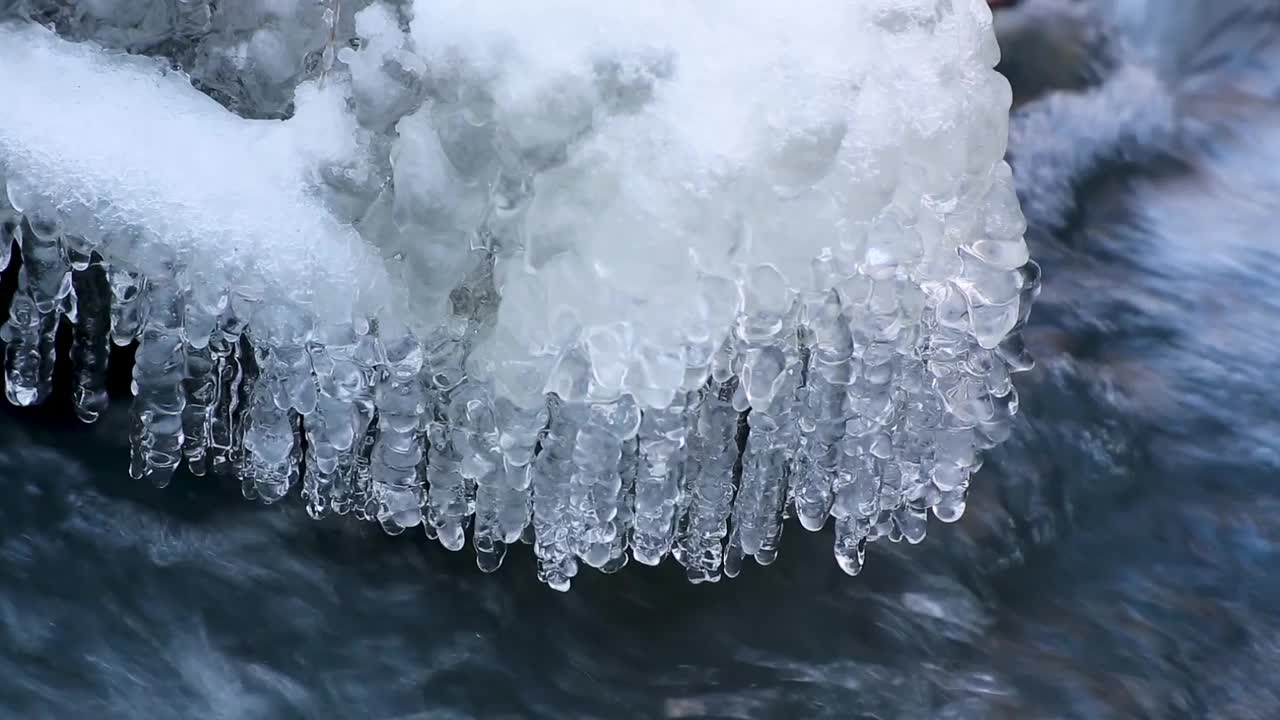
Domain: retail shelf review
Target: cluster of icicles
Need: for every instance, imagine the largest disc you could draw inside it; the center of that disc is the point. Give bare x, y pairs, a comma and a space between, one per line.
791, 420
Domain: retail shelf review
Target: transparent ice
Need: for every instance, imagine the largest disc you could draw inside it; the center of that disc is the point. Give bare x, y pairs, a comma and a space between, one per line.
620, 280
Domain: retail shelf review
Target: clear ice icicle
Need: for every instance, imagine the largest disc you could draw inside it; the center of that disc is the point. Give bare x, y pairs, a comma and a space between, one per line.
519, 430
343, 412
595, 485
482, 465
395, 471
127, 308
552, 514
225, 412
659, 487
769, 384
44, 293
711, 488
821, 415
158, 373
450, 497
200, 386
91, 340
27, 334
449, 494
270, 443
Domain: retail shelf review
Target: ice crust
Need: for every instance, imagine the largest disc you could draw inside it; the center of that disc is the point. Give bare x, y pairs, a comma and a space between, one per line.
621, 280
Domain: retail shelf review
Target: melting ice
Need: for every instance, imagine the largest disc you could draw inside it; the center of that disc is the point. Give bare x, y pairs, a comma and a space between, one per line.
621, 280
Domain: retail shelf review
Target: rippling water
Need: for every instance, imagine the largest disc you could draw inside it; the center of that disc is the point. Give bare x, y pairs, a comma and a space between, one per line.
1118, 559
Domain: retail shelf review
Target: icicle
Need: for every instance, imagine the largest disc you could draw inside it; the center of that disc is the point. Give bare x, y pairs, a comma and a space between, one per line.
24, 335
519, 430
859, 488
91, 342
913, 433
200, 385
78, 253
363, 501
126, 307
628, 468
702, 532
595, 485
367, 358
203, 311
472, 411
44, 293
851, 543
282, 392
225, 410
241, 456
45, 260
343, 411
951, 504
500, 442
450, 496
269, 466
294, 384
769, 377
396, 482
158, 372
551, 502
766, 460
659, 493
822, 415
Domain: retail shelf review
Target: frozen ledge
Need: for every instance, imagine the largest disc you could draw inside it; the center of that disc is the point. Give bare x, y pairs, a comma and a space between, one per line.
621, 285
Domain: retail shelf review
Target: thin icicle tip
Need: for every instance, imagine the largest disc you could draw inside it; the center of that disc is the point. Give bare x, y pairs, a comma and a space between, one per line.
615, 282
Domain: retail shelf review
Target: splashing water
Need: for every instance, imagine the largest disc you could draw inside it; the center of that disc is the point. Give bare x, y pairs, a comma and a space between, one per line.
621, 284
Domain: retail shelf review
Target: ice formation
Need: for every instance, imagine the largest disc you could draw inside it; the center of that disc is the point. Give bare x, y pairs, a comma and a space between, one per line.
619, 280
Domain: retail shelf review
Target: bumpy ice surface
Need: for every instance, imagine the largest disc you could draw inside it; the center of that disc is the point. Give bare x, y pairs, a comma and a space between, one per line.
622, 282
